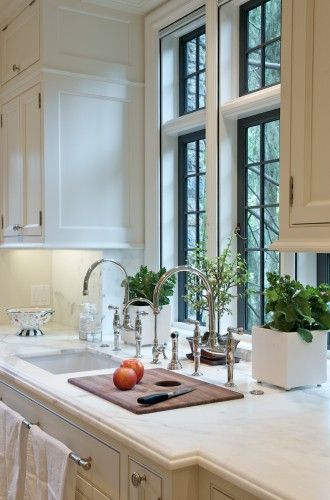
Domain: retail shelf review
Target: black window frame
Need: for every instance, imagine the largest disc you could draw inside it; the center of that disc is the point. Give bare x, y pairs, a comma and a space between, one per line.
183, 140
242, 125
183, 77
323, 274
243, 48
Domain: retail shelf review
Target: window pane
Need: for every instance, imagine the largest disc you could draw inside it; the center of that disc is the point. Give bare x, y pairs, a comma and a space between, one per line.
191, 52
202, 158
202, 51
272, 265
202, 229
191, 194
191, 231
253, 311
253, 228
271, 183
271, 230
202, 192
272, 63
254, 70
272, 140
253, 186
202, 90
272, 19
191, 94
254, 27
253, 266
253, 144
191, 157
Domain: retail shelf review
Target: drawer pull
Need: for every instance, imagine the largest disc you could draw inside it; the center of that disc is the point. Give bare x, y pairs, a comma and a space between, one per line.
16, 67
85, 463
17, 227
137, 479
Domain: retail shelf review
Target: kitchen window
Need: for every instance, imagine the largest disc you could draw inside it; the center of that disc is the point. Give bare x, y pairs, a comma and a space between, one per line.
258, 208
260, 44
192, 64
191, 208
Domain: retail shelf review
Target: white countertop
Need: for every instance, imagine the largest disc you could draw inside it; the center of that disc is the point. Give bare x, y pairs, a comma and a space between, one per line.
276, 446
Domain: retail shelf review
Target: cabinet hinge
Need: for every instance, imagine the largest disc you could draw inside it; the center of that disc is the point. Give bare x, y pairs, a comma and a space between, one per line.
2, 224
40, 218
291, 191
4, 29
31, 3
39, 100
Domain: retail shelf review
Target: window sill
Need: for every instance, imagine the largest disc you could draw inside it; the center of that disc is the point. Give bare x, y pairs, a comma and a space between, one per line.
251, 104
185, 124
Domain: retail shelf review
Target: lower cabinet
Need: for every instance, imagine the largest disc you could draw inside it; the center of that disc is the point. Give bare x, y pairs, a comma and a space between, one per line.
143, 483
117, 471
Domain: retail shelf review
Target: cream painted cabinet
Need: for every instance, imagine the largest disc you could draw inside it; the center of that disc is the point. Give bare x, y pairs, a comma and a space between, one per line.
87, 491
20, 42
305, 111
143, 483
21, 165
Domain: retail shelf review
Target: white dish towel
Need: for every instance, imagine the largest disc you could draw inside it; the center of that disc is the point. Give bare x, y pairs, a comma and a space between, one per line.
11, 453
50, 473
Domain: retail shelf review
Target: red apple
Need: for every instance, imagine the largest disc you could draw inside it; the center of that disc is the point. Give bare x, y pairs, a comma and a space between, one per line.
136, 365
124, 378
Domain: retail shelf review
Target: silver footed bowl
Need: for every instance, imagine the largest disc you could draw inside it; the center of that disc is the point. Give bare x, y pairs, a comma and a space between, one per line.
29, 320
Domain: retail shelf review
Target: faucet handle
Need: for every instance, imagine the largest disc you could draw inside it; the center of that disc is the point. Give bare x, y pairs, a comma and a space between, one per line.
116, 308
238, 331
141, 313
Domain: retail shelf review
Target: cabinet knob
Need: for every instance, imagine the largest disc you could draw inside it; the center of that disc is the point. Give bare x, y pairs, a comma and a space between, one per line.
137, 479
17, 227
16, 67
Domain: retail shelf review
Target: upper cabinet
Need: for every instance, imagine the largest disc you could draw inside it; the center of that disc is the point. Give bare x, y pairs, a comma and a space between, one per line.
305, 111
20, 42
72, 160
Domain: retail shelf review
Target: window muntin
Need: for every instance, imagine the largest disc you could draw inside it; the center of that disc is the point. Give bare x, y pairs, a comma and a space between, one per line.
258, 208
192, 63
191, 207
260, 44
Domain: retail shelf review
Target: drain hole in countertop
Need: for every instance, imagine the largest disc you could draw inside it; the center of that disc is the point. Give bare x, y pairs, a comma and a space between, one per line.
168, 383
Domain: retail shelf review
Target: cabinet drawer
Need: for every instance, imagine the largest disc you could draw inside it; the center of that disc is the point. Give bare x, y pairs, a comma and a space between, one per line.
20, 42
105, 470
143, 483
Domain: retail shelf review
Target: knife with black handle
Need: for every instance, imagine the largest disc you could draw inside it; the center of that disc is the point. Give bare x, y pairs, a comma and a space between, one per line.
158, 397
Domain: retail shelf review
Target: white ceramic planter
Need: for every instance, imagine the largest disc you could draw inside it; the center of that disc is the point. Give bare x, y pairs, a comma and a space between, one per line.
285, 360
148, 324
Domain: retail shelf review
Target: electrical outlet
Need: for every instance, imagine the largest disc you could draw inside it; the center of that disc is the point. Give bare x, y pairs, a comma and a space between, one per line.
40, 295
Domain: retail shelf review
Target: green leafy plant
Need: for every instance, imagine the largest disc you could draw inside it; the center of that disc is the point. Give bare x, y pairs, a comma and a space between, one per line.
143, 284
226, 274
294, 307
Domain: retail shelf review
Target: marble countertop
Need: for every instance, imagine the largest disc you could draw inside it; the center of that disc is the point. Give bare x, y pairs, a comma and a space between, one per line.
276, 446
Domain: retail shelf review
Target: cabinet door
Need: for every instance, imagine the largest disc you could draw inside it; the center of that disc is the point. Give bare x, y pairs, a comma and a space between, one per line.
218, 495
306, 108
30, 116
86, 491
143, 484
12, 165
20, 42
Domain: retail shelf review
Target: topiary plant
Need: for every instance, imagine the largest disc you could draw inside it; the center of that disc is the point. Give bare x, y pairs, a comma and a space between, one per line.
143, 284
294, 307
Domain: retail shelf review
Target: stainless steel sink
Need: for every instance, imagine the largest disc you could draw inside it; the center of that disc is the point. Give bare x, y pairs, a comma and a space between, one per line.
70, 361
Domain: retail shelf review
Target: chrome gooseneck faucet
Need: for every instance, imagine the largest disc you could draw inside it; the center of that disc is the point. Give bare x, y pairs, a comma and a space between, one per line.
213, 339
126, 322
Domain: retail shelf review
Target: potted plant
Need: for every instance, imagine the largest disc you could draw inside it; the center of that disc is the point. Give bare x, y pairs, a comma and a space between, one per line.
290, 350
227, 275
143, 284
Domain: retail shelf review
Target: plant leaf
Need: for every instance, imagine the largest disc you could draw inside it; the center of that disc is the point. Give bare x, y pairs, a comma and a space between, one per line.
305, 334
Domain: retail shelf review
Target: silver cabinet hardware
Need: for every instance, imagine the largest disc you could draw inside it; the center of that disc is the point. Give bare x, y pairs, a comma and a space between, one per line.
17, 227
137, 479
16, 67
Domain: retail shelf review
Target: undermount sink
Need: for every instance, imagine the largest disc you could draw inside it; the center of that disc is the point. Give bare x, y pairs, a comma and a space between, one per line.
73, 361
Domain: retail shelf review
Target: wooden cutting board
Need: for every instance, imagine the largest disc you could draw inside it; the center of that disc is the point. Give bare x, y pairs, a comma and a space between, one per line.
156, 380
